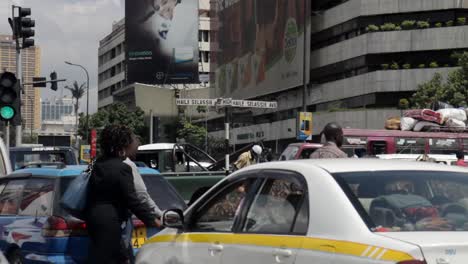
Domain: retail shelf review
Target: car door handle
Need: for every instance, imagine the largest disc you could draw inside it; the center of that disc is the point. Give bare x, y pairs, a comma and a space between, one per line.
281, 252
215, 249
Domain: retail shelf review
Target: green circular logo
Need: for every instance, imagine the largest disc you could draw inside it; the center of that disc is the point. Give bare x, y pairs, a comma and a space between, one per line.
290, 40
7, 112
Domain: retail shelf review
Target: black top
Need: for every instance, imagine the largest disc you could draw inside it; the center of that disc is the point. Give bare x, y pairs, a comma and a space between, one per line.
112, 183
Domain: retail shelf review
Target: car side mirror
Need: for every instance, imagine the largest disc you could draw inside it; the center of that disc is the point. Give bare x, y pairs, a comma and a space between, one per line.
173, 218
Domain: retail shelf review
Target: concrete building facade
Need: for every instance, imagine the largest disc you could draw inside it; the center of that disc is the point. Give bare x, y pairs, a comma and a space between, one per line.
31, 67
359, 73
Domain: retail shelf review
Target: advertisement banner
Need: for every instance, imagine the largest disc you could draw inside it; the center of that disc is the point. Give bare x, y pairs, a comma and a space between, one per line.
85, 154
261, 47
304, 131
93, 143
162, 41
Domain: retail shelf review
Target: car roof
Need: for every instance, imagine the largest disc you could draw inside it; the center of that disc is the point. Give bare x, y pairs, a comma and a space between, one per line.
358, 165
39, 148
68, 171
157, 146
306, 144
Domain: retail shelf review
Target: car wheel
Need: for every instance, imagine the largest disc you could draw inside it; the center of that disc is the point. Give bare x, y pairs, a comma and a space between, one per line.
15, 257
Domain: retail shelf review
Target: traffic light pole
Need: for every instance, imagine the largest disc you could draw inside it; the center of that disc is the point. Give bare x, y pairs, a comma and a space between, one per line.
19, 75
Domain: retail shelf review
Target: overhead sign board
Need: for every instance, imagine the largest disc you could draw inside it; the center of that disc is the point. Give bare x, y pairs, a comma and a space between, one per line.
228, 102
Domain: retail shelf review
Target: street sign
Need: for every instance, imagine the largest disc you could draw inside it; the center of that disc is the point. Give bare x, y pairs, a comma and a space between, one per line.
39, 82
228, 102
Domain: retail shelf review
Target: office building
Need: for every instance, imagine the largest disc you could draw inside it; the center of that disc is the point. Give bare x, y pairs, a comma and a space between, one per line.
365, 56
31, 67
55, 109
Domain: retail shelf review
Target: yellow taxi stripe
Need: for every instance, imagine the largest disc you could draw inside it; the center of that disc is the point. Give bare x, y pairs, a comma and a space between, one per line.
298, 242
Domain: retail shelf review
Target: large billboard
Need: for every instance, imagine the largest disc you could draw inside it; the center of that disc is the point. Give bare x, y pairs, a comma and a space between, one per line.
162, 41
261, 46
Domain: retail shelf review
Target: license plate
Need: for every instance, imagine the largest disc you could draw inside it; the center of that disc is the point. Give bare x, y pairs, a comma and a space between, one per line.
138, 237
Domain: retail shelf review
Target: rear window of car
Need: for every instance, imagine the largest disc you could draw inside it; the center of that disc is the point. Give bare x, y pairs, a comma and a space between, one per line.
160, 190
23, 158
163, 193
408, 201
289, 153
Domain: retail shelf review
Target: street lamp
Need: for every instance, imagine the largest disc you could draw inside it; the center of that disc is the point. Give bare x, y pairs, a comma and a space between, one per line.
87, 97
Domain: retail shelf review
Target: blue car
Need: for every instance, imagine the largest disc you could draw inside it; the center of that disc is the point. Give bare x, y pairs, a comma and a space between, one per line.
35, 229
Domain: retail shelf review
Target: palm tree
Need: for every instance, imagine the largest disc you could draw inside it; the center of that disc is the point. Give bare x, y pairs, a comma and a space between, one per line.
77, 92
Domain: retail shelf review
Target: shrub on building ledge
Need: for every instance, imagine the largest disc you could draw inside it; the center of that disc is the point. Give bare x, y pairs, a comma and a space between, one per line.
421, 66
403, 104
406, 66
408, 24
449, 23
438, 24
385, 66
433, 65
372, 28
423, 24
388, 27
461, 21
394, 66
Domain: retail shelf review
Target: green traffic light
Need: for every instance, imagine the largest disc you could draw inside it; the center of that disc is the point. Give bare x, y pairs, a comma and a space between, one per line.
7, 112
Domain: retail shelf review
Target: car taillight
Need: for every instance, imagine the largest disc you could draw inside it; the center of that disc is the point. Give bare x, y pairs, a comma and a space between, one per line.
137, 223
56, 226
412, 262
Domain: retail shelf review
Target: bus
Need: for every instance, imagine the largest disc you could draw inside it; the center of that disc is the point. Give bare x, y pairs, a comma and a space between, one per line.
376, 142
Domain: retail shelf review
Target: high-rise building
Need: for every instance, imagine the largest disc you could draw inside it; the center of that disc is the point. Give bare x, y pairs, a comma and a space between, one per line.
111, 62
56, 109
365, 56
31, 67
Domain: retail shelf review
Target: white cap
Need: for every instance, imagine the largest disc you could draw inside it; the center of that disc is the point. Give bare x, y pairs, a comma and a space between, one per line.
257, 149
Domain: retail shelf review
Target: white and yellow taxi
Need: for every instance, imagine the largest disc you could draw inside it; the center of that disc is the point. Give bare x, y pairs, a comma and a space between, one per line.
322, 211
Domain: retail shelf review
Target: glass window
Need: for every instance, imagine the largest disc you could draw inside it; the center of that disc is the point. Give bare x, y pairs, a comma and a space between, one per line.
9, 199
443, 146
37, 198
162, 192
219, 214
410, 200
275, 208
289, 153
410, 145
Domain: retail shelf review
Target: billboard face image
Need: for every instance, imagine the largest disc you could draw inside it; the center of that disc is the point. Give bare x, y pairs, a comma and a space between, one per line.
162, 41
261, 47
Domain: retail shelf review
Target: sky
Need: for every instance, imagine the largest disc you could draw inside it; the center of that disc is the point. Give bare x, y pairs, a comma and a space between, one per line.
68, 30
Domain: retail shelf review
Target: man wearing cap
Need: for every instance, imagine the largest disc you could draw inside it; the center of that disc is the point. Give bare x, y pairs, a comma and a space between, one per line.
249, 157
331, 150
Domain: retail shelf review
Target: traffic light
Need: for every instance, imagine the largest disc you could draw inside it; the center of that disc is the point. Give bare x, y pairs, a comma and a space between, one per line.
23, 27
53, 81
9, 99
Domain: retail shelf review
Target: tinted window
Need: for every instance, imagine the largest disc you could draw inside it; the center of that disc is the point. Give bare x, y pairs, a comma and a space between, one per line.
22, 158
412, 200
410, 145
220, 212
443, 146
37, 198
10, 197
275, 207
162, 192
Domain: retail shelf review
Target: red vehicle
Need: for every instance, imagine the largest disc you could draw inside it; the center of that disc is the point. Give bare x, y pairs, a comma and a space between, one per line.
377, 142
367, 142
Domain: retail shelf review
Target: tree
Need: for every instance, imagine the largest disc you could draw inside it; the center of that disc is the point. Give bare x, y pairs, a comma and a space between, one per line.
191, 133
77, 92
453, 90
117, 113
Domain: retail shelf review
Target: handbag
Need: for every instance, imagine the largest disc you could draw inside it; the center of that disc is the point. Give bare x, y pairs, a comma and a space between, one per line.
74, 199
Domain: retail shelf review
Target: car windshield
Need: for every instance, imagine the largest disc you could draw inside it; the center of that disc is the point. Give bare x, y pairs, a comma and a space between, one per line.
409, 200
289, 153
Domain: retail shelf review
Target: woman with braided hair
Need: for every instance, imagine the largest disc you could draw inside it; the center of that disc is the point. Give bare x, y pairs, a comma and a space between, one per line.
111, 197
